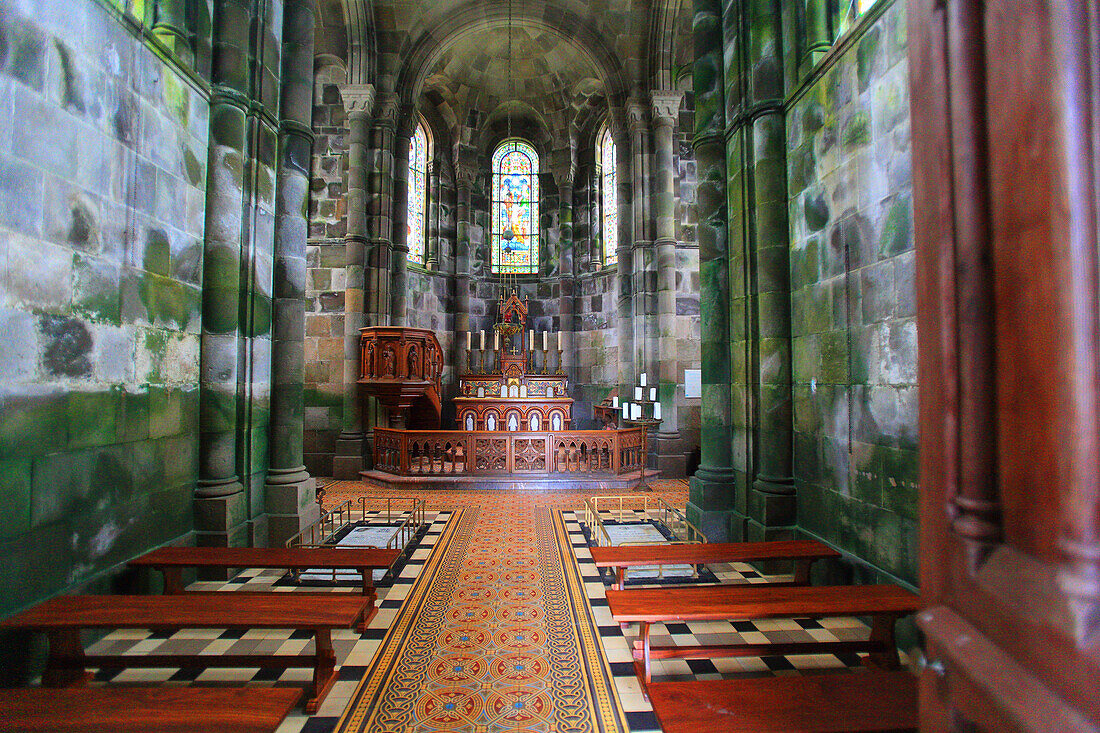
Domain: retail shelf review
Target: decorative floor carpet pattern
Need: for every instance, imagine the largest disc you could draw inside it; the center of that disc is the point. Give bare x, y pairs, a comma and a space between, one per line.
495, 635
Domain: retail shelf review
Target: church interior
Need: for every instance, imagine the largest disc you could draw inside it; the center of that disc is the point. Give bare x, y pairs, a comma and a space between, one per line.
549, 365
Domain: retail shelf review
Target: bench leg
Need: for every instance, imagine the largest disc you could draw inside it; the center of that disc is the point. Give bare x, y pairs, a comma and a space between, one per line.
368, 581
324, 669
802, 571
882, 632
644, 673
620, 578
65, 666
173, 580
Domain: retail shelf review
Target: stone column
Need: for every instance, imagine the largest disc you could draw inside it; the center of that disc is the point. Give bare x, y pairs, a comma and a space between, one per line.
434, 206
671, 458
565, 268
624, 184
170, 25
380, 212
222, 510
464, 181
711, 497
762, 125
639, 244
289, 489
398, 296
819, 36
359, 103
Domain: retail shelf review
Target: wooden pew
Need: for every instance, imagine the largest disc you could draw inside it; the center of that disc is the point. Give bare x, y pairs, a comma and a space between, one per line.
62, 618
884, 603
147, 709
802, 552
828, 703
171, 561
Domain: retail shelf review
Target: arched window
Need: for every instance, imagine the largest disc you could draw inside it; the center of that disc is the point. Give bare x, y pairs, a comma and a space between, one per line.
418, 195
609, 209
514, 233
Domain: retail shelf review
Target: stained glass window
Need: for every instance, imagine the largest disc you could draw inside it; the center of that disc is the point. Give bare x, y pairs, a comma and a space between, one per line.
609, 223
514, 234
418, 194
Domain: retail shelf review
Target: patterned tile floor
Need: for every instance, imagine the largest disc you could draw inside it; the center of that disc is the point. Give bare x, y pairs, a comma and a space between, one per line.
476, 642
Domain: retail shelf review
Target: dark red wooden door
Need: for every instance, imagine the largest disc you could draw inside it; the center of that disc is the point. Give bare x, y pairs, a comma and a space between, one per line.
1005, 140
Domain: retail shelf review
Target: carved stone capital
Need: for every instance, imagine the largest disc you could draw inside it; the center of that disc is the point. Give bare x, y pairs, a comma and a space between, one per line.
635, 115
666, 105
358, 99
385, 110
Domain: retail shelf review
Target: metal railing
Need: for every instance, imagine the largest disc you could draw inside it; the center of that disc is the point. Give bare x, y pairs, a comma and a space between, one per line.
407, 511
652, 508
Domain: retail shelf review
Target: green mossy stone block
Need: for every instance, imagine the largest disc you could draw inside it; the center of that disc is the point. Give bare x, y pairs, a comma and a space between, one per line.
34, 424
220, 310
857, 131
866, 55
26, 579
165, 412
158, 252
96, 289
833, 352
866, 480
897, 228
900, 481
61, 485
815, 211
15, 497
112, 473
92, 418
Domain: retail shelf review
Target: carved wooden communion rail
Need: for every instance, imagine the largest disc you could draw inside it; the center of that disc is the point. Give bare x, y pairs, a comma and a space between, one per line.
460, 453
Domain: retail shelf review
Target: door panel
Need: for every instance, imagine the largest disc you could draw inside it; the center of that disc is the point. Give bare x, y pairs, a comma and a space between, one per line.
1005, 150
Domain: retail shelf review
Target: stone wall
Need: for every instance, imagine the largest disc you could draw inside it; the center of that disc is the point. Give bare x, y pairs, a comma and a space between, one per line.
853, 328
102, 177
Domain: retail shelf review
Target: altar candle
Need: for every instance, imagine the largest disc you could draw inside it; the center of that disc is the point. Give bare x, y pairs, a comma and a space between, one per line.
643, 379
652, 394
496, 340
638, 394
469, 338
481, 339
614, 400
531, 341
656, 410
545, 341
559, 340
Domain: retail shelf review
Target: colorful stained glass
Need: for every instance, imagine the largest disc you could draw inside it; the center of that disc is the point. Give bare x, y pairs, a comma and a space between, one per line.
514, 233
418, 194
610, 222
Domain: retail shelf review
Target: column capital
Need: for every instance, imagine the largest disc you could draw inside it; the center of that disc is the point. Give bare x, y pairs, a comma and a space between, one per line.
635, 116
385, 111
666, 105
358, 99
409, 118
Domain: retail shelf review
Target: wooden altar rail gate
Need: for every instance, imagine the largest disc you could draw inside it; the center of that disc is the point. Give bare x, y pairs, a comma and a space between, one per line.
482, 453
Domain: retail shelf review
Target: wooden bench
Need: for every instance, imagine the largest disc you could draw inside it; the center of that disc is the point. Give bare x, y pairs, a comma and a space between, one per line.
62, 618
171, 561
802, 552
147, 709
828, 703
884, 603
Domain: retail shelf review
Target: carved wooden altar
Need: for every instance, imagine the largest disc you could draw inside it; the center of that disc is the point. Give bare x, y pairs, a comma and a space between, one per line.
401, 368
510, 394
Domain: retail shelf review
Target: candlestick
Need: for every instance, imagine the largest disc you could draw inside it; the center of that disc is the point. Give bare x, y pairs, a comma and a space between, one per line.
656, 410
652, 394
643, 379
561, 365
481, 361
469, 358
545, 359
